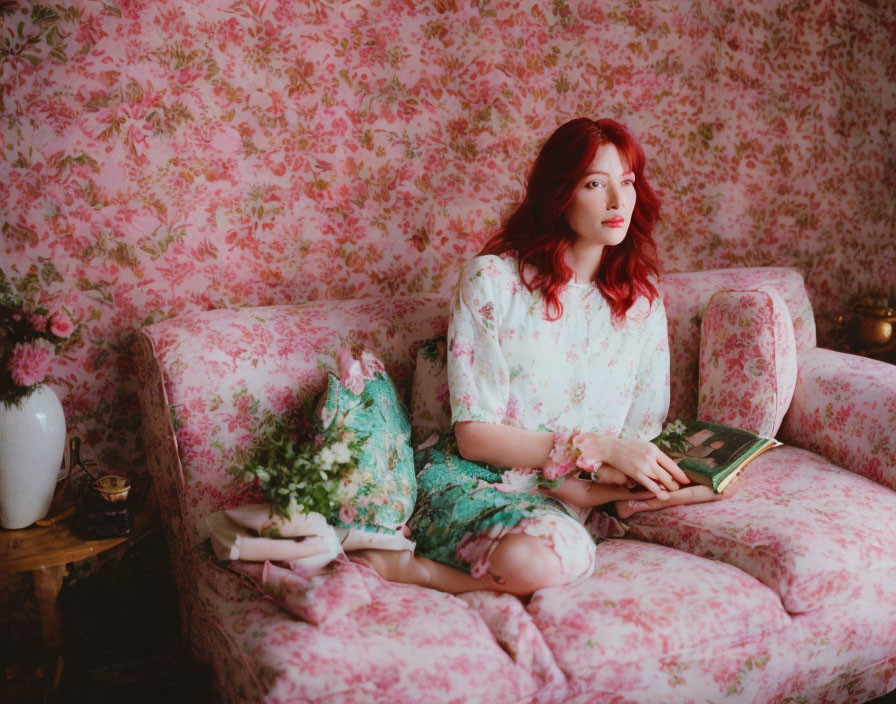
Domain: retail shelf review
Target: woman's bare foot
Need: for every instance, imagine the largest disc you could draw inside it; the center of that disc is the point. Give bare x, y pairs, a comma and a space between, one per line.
520, 564
391, 565
405, 567
696, 494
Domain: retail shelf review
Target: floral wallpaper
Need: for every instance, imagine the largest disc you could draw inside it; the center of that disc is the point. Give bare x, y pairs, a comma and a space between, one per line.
168, 155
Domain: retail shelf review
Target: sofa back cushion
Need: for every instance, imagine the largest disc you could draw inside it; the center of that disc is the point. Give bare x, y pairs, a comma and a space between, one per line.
687, 295
748, 361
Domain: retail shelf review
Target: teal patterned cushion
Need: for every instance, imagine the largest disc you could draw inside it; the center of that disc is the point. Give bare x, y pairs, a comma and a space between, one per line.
379, 494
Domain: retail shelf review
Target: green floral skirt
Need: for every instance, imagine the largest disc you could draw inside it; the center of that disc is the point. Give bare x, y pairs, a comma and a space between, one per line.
463, 509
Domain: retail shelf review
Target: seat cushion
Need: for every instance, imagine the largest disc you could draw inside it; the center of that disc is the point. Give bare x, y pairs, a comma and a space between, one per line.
815, 533
403, 645
659, 625
748, 361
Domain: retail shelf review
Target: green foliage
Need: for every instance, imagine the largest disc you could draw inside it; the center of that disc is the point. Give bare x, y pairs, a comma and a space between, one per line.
672, 439
299, 475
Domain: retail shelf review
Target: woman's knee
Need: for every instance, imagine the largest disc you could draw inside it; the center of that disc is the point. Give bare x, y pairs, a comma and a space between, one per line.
522, 564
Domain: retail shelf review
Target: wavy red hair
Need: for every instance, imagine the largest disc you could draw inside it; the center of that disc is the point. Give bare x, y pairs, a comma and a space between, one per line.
537, 232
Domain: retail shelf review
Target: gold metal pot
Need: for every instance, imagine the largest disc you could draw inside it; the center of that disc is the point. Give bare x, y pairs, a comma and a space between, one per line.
874, 326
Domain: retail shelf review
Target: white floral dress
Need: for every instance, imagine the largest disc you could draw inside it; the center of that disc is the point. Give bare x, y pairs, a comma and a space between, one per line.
508, 364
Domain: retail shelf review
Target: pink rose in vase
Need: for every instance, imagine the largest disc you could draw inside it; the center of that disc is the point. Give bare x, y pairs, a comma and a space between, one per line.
29, 363
61, 324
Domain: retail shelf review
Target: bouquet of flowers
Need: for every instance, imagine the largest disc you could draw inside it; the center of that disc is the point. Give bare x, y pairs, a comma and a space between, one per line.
299, 474
29, 336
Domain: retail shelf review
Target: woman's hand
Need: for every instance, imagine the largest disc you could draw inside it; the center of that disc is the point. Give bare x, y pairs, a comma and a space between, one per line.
639, 460
586, 493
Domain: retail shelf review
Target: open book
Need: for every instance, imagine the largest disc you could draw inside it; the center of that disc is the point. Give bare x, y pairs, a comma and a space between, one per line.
710, 453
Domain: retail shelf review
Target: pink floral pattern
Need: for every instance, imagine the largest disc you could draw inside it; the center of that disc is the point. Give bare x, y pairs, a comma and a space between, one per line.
797, 603
30, 362
686, 297
180, 155
789, 513
844, 407
748, 361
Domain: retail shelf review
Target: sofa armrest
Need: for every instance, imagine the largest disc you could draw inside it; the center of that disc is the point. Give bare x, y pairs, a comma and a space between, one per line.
844, 407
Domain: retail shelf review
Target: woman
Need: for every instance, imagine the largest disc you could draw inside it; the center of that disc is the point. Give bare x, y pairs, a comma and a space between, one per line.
558, 365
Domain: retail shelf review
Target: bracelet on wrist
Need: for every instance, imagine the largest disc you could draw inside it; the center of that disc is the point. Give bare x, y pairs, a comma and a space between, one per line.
566, 456
584, 463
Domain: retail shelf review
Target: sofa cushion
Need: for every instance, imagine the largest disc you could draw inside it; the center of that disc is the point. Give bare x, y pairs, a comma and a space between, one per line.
336, 592
686, 296
430, 402
815, 533
652, 619
407, 645
379, 491
748, 361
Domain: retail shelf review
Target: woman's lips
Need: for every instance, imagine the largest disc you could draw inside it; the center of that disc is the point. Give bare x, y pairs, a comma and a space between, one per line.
614, 222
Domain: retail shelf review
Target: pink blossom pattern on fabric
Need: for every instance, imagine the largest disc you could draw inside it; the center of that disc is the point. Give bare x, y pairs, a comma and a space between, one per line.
686, 296
787, 517
354, 372
844, 407
748, 362
231, 366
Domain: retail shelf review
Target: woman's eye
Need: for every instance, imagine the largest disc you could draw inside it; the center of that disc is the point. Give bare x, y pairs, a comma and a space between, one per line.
629, 182
594, 184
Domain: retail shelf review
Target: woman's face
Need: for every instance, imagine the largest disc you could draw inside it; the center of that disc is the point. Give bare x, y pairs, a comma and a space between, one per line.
601, 208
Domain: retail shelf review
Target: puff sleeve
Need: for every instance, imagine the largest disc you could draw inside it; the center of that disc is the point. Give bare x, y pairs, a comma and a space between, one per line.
650, 396
478, 378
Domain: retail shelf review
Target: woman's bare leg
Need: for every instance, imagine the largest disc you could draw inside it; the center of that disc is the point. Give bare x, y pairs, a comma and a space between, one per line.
520, 564
696, 494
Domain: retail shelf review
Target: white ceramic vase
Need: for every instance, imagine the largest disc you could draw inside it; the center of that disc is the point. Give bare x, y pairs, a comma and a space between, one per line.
32, 440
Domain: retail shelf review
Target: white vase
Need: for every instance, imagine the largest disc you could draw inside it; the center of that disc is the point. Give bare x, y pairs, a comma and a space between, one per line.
32, 440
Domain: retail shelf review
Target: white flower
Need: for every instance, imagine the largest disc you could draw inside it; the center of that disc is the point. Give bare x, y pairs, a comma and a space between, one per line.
677, 427
341, 452
325, 458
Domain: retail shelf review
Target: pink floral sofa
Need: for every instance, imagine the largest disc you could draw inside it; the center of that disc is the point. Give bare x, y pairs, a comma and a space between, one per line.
784, 592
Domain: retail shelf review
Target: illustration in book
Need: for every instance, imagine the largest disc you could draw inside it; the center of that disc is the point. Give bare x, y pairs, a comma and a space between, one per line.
710, 453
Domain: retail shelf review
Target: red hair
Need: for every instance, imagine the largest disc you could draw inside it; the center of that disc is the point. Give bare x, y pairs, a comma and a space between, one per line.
537, 232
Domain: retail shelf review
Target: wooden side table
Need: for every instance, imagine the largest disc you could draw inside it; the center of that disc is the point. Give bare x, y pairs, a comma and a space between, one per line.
46, 552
